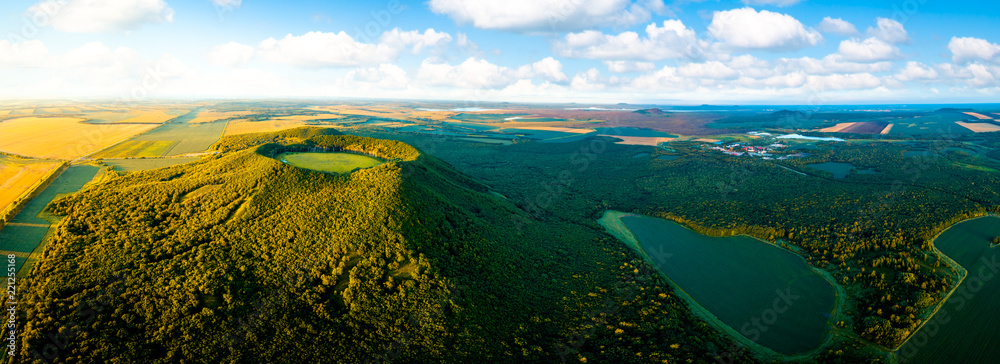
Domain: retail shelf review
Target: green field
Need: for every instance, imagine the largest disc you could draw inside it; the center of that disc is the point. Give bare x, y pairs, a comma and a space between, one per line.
133, 165
964, 329
26, 230
763, 292
329, 162
187, 138
137, 148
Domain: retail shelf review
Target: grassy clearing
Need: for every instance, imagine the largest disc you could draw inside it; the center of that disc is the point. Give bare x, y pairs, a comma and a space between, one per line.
61, 137
133, 165
329, 162
137, 149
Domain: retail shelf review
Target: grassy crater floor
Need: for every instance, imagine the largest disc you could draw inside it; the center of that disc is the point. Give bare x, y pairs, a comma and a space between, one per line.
329, 162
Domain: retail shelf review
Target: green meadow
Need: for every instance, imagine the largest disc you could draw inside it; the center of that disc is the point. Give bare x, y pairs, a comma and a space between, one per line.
329, 162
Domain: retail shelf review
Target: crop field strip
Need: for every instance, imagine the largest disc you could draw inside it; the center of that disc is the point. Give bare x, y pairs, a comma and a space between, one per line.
61, 137
20, 178
26, 230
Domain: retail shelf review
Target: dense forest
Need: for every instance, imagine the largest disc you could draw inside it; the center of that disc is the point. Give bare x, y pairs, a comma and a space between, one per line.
871, 231
241, 258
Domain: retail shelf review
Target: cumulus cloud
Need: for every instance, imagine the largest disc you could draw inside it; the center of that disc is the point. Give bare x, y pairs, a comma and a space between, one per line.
420, 41
89, 16
32, 53
778, 3
473, 73
837, 26
712, 69
868, 50
591, 80
629, 66
672, 40
548, 69
747, 28
546, 15
967, 49
889, 31
916, 71
320, 49
231, 54
386, 76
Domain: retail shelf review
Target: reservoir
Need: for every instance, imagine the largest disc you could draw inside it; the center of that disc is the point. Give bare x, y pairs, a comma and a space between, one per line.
765, 293
964, 329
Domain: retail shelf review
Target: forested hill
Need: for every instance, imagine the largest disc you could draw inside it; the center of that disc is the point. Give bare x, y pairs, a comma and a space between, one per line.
241, 258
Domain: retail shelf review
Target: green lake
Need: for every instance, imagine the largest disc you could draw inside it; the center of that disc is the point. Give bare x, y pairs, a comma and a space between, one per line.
964, 329
766, 293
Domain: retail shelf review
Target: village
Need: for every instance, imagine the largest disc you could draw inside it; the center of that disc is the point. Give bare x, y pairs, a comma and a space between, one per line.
766, 152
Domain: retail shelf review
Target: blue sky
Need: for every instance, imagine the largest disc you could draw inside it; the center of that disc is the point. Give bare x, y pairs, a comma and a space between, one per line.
598, 51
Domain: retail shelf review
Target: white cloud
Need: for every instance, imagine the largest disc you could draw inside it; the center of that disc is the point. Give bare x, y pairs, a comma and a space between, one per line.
32, 53
546, 15
473, 73
778, 3
853, 81
837, 26
712, 69
88, 16
672, 40
591, 80
889, 31
629, 66
428, 39
868, 50
748, 29
967, 49
916, 71
386, 76
231, 54
548, 69
319, 49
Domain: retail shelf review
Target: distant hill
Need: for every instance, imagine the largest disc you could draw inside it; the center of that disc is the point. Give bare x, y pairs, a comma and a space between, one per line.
952, 109
653, 111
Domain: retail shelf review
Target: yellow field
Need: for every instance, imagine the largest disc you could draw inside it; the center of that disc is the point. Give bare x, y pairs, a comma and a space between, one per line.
4, 112
309, 117
979, 127
707, 140
887, 129
837, 128
17, 177
210, 116
62, 138
23, 111
387, 112
236, 127
977, 115
51, 110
